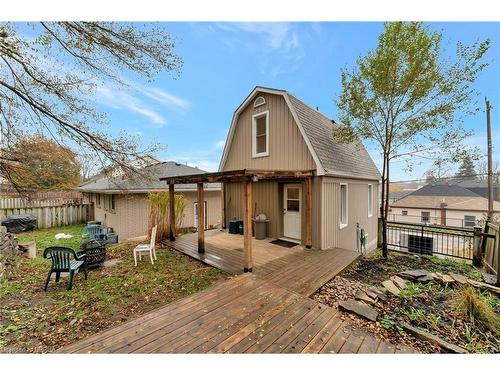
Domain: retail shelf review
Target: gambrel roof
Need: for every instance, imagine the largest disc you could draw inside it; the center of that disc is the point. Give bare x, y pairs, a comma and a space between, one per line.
332, 158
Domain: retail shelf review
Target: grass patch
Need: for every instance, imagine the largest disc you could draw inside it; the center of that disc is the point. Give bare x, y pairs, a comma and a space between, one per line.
45, 237
32, 320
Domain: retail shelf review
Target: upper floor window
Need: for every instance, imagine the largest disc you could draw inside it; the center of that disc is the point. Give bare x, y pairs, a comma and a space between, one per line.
260, 134
370, 200
259, 101
343, 205
404, 213
425, 217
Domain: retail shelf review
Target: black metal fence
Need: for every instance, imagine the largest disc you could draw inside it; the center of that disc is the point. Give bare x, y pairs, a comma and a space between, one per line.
435, 220
431, 239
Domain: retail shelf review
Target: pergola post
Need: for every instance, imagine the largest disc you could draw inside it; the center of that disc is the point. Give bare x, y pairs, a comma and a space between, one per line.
171, 207
247, 226
201, 219
308, 193
223, 204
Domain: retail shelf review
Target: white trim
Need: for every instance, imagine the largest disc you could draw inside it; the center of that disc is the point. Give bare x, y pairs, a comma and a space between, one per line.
294, 240
319, 168
263, 101
254, 134
344, 225
370, 200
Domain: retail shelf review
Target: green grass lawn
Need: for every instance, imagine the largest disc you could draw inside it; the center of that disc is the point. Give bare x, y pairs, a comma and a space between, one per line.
45, 237
32, 320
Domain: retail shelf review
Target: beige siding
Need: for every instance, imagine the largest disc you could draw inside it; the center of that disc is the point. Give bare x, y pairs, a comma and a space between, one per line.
357, 212
268, 199
454, 218
265, 201
130, 217
287, 149
213, 208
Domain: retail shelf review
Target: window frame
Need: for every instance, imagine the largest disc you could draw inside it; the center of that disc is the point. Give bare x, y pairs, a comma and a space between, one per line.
474, 221
404, 212
256, 117
112, 203
98, 200
346, 223
258, 104
370, 200
422, 217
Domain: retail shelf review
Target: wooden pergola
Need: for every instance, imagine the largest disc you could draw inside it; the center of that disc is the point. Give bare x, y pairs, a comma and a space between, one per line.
245, 176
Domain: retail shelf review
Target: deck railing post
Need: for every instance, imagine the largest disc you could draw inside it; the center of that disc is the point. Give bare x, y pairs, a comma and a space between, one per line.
171, 207
477, 259
247, 226
201, 219
379, 233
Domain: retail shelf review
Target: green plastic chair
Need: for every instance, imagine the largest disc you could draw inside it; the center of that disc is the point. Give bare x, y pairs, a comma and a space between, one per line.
62, 262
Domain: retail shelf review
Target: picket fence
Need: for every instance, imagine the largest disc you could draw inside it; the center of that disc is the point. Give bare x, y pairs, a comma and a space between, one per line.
49, 213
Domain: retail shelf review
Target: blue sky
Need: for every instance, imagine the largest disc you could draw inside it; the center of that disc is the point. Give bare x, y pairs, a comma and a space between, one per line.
191, 114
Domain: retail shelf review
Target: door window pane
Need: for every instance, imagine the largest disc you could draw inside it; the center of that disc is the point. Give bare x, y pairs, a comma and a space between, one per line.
293, 205
293, 193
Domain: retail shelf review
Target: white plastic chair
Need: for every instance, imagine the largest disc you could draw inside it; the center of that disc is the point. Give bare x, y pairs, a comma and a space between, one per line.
147, 248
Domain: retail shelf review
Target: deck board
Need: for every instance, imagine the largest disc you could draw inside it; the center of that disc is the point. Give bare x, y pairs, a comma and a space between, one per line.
268, 310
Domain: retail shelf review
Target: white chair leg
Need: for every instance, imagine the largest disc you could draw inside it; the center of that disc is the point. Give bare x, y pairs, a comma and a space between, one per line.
154, 253
135, 258
151, 256
140, 255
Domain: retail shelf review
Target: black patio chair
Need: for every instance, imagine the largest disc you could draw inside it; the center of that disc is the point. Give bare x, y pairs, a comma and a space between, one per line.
62, 262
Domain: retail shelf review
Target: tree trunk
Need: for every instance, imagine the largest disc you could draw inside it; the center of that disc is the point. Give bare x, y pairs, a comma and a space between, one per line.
386, 212
382, 209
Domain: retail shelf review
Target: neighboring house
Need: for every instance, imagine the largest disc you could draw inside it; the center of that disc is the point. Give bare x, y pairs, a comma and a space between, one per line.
479, 187
121, 203
444, 204
274, 131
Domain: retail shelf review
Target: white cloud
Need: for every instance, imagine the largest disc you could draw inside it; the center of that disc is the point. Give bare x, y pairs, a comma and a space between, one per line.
276, 35
278, 44
200, 161
164, 97
120, 99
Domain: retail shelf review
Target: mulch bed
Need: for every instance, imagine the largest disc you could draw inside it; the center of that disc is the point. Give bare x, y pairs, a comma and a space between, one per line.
427, 306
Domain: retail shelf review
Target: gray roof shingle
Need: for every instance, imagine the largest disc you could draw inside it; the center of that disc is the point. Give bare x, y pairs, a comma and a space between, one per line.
149, 179
349, 160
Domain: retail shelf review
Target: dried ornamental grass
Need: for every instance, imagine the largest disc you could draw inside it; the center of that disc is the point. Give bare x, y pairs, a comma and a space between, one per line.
469, 304
159, 212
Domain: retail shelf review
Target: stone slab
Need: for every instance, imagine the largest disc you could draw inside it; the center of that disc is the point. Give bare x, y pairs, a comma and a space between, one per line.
424, 335
359, 308
400, 283
362, 296
391, 287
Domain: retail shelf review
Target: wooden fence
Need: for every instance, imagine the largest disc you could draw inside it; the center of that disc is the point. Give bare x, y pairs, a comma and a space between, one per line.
491, 248
53, 215
17, 202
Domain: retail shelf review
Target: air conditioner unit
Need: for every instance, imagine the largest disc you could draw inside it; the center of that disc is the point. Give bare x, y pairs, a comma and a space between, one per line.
416, 243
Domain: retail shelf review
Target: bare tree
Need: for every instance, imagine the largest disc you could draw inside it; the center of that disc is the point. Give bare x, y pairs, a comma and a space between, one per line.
47, 84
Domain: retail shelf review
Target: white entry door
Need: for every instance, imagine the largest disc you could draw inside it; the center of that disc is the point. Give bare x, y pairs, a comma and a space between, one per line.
204, 214
292, 208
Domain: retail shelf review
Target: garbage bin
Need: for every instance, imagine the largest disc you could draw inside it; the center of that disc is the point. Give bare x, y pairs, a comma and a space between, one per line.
260, 227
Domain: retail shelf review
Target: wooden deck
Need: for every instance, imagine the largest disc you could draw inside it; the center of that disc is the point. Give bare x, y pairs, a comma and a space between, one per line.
296, 268
267, 311
244, 315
